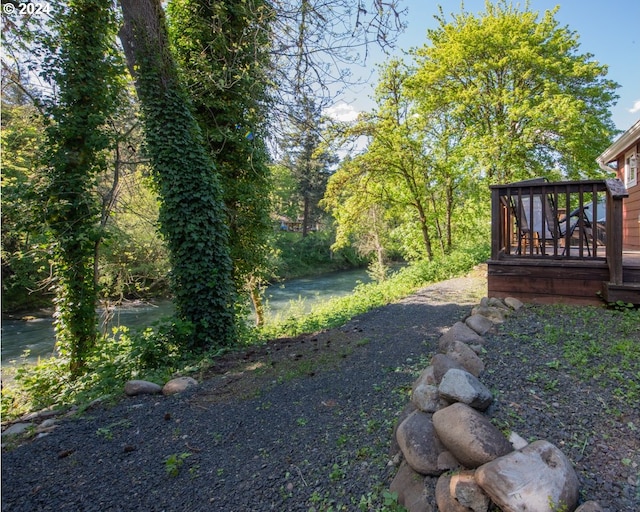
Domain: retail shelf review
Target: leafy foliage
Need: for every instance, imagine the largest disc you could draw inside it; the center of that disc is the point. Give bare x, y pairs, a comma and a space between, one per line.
192, 217
406, 188
154, 353
527, 102
25, 259
308, 159
222, 48
85, 69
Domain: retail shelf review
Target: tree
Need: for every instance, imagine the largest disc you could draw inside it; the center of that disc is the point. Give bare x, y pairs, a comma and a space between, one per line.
527, 103
223, 49
85, 70
395, 165
315, 46
191, 215
308, 159
25, 259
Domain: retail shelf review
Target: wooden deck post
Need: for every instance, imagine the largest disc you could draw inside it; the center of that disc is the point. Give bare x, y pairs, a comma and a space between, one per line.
496, 224
616, 192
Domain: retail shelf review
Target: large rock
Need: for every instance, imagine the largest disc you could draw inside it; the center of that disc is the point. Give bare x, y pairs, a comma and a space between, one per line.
513, 303
442, 364
460, 492
411, 490
18, 429
464, 355
141, 387
178, 385
394, 449
459, 332
480, 324
469, 435
495, 302
419, 444
427, 377
538, 478
426, 398
496, 315
461, 386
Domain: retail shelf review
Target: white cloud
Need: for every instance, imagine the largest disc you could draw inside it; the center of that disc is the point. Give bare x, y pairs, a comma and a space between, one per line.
342, 112
636, 107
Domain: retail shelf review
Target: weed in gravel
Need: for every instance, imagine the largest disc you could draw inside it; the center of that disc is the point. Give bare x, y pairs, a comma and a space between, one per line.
174, 462
597, 345
337, 473
107, 432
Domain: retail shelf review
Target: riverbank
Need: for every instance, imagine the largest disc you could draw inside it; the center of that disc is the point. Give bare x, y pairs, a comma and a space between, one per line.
305, 423
33, 330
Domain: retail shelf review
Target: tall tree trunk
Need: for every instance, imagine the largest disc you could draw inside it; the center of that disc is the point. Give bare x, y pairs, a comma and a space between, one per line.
426, 238
256, 301
449, 192
85, 75
191, 211
305, 215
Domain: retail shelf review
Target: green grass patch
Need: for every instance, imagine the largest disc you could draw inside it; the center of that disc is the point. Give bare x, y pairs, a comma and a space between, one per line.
597, 345
368, 296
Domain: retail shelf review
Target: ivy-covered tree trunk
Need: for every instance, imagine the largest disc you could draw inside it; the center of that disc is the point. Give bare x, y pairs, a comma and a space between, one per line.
191, 215
84, 72
223, 50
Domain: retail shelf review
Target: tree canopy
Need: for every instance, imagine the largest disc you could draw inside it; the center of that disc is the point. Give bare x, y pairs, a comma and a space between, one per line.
528, 103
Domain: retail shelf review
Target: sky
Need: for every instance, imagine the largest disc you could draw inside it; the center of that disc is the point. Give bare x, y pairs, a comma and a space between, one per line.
608, 29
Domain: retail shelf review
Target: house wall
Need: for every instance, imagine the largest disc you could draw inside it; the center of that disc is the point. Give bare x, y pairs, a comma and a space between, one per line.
631, 205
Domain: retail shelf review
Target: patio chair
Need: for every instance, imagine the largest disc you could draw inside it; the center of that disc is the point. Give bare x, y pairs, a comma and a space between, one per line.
539, 223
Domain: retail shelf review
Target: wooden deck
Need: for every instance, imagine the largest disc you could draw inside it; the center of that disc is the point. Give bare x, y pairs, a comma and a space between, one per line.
549, 281
539, 260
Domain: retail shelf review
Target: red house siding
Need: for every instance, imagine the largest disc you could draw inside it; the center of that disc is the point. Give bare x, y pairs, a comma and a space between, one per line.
631, 205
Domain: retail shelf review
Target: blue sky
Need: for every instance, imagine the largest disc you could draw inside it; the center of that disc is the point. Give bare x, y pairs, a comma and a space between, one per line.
608, 29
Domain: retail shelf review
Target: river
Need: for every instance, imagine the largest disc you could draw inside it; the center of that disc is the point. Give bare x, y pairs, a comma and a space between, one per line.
37, 335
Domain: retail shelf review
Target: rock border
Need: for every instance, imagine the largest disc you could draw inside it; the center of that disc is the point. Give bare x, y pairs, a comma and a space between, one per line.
451, 458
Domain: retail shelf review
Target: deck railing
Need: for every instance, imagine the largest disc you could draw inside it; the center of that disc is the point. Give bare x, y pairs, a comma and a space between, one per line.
569, 220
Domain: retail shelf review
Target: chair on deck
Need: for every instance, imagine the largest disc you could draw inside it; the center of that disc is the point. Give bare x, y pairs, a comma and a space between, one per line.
539, 223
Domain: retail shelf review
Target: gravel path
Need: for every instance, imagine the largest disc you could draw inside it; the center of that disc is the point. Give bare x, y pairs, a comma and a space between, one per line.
301, 424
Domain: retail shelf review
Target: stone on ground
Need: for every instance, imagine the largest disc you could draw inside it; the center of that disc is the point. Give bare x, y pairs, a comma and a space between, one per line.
469, 435
426, 398
461, 386
496, 315
517, 441
590, 506
460, 492
394, 449
480, 324
17, 429
419, 444
465, 356
411, 489
513, 303
178, 385
538, 478
442, 364
141, 387
494, 302
459, 332
426, 377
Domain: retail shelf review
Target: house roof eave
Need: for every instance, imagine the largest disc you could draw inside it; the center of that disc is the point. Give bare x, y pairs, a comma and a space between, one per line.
623, 142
